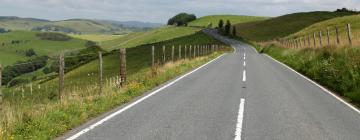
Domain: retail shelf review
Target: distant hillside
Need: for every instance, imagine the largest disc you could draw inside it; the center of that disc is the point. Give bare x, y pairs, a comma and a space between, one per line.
214, 20
132, 24
77, 26
339, 22
16, 23
284, 25
15, 44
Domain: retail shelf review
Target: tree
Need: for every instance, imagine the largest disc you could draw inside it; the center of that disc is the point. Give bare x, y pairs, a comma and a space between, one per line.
234, 31
181, 19
221, 24
227, 27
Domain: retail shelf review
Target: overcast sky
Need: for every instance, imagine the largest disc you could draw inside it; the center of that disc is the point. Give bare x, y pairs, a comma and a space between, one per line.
161, 10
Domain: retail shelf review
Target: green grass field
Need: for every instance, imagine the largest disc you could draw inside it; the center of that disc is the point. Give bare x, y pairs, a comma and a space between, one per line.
97, 37
214, 20
83, 26
282, 26
41, 108
152, 36
10, 53
330, 24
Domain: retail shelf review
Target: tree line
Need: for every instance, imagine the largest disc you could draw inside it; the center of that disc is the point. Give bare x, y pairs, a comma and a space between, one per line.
226, 29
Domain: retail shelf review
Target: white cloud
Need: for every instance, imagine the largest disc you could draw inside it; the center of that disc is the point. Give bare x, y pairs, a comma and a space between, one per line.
161, 10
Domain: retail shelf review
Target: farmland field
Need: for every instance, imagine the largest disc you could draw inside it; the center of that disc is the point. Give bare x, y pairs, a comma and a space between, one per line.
214, 20
152, 36
14, 44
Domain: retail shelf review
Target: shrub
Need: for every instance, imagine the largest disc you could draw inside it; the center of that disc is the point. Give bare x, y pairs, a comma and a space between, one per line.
30, 53
53, 36
22, 67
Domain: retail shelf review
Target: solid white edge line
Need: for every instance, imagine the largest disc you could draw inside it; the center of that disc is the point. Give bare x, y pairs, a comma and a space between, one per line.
136, 102
244, 75
240, 119
254, 49
321, 87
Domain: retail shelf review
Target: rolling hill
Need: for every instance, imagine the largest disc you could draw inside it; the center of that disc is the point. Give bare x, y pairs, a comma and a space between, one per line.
331, 24
214, 19
77, 26
270, 29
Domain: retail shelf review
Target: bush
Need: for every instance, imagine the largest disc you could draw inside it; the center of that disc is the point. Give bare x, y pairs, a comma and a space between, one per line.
75, 60
53, 36
90, 44
30, 53
22, 67
181, 19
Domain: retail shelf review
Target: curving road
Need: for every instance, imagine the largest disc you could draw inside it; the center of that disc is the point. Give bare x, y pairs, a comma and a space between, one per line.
242, 95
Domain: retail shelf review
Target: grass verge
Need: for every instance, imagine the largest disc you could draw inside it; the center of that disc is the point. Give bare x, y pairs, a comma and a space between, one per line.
337, 68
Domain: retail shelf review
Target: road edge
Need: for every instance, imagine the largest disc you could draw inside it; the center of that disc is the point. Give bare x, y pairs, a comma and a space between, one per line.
317, 84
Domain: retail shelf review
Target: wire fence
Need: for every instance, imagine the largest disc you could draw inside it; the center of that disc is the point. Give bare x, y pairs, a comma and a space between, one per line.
329, 36
110, 70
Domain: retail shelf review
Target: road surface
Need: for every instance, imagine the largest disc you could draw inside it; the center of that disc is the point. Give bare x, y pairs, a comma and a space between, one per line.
241, 95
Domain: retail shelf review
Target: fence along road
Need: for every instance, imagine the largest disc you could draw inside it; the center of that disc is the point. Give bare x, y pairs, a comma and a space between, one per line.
218, 102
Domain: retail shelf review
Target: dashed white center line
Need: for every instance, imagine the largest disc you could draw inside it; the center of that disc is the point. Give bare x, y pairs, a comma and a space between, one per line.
240, 120
244, 63
244, 76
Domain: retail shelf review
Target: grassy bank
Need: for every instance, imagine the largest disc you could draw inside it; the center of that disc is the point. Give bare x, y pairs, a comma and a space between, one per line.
51, 120
335, 68
282, 26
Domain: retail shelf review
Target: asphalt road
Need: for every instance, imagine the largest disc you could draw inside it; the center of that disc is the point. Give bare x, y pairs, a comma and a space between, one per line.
242, 95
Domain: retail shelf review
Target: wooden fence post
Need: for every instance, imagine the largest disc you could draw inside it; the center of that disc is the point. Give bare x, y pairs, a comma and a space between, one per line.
349, 34
185, 51
1, 94
122, 66
61, 74
309, 44
153, 56
164, 54
153, 67
190, 51
100, 73
315, 40
172, 53
179, 52
328, 36
304, 37
194, 56
320, 39
337, 35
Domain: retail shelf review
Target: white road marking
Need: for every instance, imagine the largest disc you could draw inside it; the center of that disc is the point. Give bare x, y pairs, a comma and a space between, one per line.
244, 75
240, 120
136, 102
244, 63
234, 49
321, 87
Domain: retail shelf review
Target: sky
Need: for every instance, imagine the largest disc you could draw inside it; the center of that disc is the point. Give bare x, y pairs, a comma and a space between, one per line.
159, 11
